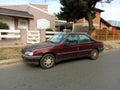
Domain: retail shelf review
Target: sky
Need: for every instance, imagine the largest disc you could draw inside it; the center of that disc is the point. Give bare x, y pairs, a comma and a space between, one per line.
111, 11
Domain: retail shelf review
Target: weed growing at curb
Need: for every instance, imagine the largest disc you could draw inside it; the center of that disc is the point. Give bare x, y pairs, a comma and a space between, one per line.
10, 52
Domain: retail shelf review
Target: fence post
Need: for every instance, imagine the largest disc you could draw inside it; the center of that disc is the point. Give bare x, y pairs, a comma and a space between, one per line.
106, 35
98, 31
23, 36
113, 34
118, 35
96, 34
42, 35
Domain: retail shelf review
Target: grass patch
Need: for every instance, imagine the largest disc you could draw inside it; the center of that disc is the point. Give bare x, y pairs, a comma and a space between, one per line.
10, 52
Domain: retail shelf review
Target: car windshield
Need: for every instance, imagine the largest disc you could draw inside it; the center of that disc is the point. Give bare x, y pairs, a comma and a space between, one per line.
57, 38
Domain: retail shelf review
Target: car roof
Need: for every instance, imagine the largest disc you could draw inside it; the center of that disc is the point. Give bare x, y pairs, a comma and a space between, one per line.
68, 33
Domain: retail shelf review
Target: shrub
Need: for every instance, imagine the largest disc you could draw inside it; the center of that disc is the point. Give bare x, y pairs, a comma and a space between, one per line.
49, 29
3, 26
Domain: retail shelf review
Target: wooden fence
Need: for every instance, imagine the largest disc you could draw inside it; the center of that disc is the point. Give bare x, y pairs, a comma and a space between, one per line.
106, 35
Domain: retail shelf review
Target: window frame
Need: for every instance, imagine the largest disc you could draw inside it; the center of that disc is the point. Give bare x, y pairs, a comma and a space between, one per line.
68, 37
90, 40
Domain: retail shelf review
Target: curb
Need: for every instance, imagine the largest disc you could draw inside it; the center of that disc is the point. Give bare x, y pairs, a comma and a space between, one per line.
10, 61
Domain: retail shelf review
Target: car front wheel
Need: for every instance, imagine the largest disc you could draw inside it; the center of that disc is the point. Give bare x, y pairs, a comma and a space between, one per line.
47, 61
94, 54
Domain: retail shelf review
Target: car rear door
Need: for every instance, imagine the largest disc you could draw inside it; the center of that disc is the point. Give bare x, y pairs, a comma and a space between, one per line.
85, 45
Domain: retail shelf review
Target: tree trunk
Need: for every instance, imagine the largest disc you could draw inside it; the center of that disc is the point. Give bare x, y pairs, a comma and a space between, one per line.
90, 22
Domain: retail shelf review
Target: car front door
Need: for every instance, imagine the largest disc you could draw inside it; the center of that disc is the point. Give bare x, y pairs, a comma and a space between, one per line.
70, 48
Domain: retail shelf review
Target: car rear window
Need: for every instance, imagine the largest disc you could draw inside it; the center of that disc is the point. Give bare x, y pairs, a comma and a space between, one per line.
84, 38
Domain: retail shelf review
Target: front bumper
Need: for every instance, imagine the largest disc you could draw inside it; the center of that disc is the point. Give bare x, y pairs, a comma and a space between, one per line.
101, 49
31, 59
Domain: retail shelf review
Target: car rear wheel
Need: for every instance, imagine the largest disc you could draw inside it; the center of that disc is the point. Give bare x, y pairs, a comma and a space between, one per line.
94, 54
47, 61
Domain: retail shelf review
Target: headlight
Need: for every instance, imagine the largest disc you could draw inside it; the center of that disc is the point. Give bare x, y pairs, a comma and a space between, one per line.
29, 53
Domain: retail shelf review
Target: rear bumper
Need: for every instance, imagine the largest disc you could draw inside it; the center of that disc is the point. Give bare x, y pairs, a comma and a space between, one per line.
31, 59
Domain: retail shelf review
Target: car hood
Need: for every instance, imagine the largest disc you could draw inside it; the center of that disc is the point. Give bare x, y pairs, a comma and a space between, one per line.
36, 46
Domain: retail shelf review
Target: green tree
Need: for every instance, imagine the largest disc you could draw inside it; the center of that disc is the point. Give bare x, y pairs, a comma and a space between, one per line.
73, 10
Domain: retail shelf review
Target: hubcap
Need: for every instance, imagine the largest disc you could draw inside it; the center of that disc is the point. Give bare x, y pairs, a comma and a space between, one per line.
94, 54
48, 61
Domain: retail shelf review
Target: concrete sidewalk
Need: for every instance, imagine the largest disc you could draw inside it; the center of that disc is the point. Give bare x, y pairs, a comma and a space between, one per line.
113, 44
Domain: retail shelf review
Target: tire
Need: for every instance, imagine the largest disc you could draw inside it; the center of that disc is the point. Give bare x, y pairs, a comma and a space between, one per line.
47, 61
94, 54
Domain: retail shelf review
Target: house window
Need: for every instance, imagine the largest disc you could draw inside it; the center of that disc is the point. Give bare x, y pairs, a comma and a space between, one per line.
22, 24
8, 20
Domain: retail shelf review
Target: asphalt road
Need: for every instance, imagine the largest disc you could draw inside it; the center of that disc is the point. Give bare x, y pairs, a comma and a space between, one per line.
82, 74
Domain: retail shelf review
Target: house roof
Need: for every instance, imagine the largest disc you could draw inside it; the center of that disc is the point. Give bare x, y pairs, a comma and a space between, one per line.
33, 6
114, 23
99, 10
17, 13
41, 6
105, 22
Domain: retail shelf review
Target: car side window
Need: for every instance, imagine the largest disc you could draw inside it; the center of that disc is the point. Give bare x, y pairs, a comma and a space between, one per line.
84, 38
72, 39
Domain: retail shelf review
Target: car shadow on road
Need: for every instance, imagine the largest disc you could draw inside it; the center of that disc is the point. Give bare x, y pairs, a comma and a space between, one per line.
72, 60
32, 65
60, 63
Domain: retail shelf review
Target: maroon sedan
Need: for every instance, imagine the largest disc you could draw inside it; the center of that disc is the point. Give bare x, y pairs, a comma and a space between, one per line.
62, 47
